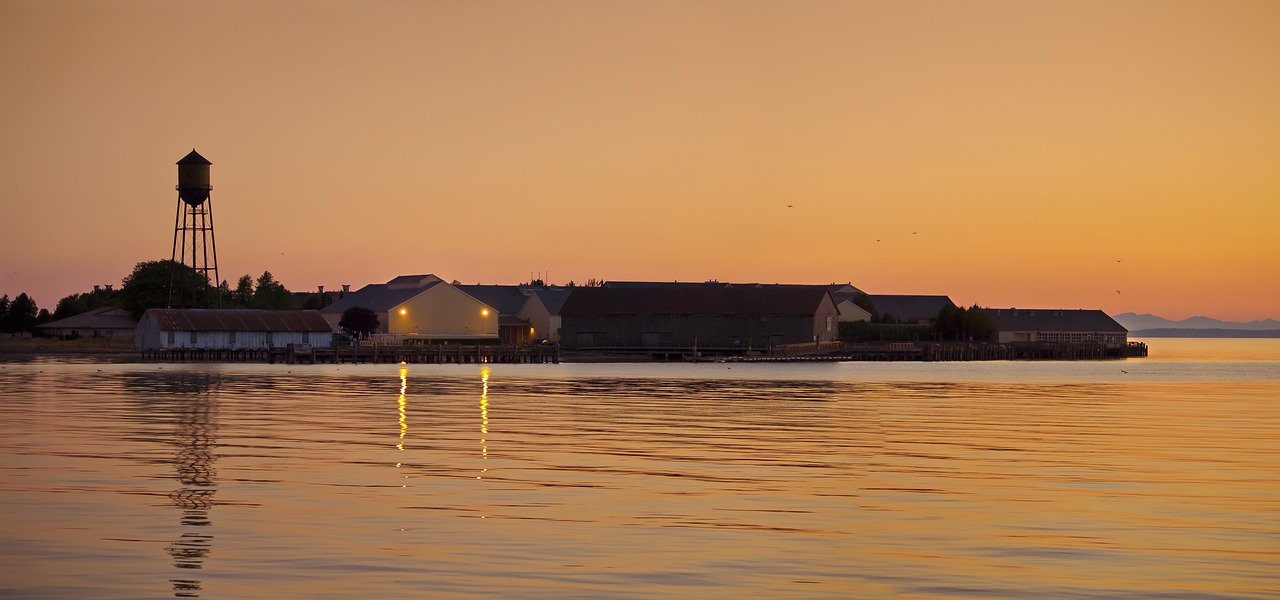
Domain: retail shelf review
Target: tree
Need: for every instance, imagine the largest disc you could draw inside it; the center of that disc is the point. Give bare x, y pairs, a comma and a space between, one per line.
71, 306
224, 294
955, 323
950, 324
270, 294
74, 304
148, 285
4, 310
864, 302
359, 321
244, 291
22, 314
978, 325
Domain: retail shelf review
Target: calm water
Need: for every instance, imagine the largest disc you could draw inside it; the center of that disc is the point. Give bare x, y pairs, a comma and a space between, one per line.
1153, 478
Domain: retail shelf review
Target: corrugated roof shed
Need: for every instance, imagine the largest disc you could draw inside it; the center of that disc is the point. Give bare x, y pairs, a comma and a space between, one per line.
695, 300
224, 319
1053, 319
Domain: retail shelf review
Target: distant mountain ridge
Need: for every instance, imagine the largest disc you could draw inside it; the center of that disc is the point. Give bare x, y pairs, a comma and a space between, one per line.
1206, 333
1137, 322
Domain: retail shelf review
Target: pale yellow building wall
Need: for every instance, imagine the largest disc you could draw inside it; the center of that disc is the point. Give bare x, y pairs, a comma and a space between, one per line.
545, 326
850, 312
443, 312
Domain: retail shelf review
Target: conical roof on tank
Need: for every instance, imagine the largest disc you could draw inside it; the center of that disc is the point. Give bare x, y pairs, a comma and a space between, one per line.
193, 178
193, 158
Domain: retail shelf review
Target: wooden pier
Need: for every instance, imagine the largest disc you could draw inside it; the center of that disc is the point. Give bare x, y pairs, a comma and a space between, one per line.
870, 352
551, 354
372, 354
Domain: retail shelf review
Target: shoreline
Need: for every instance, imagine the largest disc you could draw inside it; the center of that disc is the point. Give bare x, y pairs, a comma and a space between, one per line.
117, 349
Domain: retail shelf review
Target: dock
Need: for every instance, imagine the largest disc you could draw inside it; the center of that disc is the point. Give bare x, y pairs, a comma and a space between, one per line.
867, 352
367, 354
552, 354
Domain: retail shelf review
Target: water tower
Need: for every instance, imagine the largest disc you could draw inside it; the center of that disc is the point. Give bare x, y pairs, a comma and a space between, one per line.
193, 242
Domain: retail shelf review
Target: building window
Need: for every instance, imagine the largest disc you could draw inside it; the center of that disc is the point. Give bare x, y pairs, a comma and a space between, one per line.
193, 337
171, 338
231, 337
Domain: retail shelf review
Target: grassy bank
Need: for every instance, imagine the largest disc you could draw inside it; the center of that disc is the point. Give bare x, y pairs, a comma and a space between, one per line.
112, 345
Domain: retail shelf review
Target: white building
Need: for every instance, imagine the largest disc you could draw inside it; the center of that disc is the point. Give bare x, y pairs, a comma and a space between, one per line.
230, 329
1056, 326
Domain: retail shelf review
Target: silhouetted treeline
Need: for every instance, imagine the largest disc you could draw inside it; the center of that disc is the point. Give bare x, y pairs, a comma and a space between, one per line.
147, 286
953, 324
20, 314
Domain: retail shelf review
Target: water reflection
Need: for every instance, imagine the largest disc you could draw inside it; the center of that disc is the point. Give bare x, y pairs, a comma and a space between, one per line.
639, 486
194, 462
403, 404
484, 419
186, 401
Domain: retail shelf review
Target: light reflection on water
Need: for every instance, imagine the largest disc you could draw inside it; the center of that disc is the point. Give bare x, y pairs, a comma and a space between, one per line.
640, 481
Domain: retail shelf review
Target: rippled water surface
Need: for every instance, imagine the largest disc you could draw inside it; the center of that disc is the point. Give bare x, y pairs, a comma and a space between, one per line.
1154, 478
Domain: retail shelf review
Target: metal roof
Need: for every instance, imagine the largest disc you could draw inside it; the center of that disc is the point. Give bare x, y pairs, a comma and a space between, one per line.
699, 284
845, 288
413, 281
378, 297
107, 317
193, 158
908, 307
696, 300
231, 319
553, 299
506, 299
1053, 319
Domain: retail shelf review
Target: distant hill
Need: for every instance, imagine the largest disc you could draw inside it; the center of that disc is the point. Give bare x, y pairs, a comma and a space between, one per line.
1136, 322
1206, 333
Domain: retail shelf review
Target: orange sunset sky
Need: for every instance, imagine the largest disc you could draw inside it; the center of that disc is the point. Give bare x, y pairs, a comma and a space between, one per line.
1097, 154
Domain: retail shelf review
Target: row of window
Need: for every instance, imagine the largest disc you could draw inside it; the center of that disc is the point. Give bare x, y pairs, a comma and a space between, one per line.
301, 338
1069, 337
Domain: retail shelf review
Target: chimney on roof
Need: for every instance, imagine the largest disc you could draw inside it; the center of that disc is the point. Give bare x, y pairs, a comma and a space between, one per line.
346, 288
96, 288
319, 289
109, 286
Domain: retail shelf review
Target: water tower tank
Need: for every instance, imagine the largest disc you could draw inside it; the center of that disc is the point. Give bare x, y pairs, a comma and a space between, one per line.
193, 178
